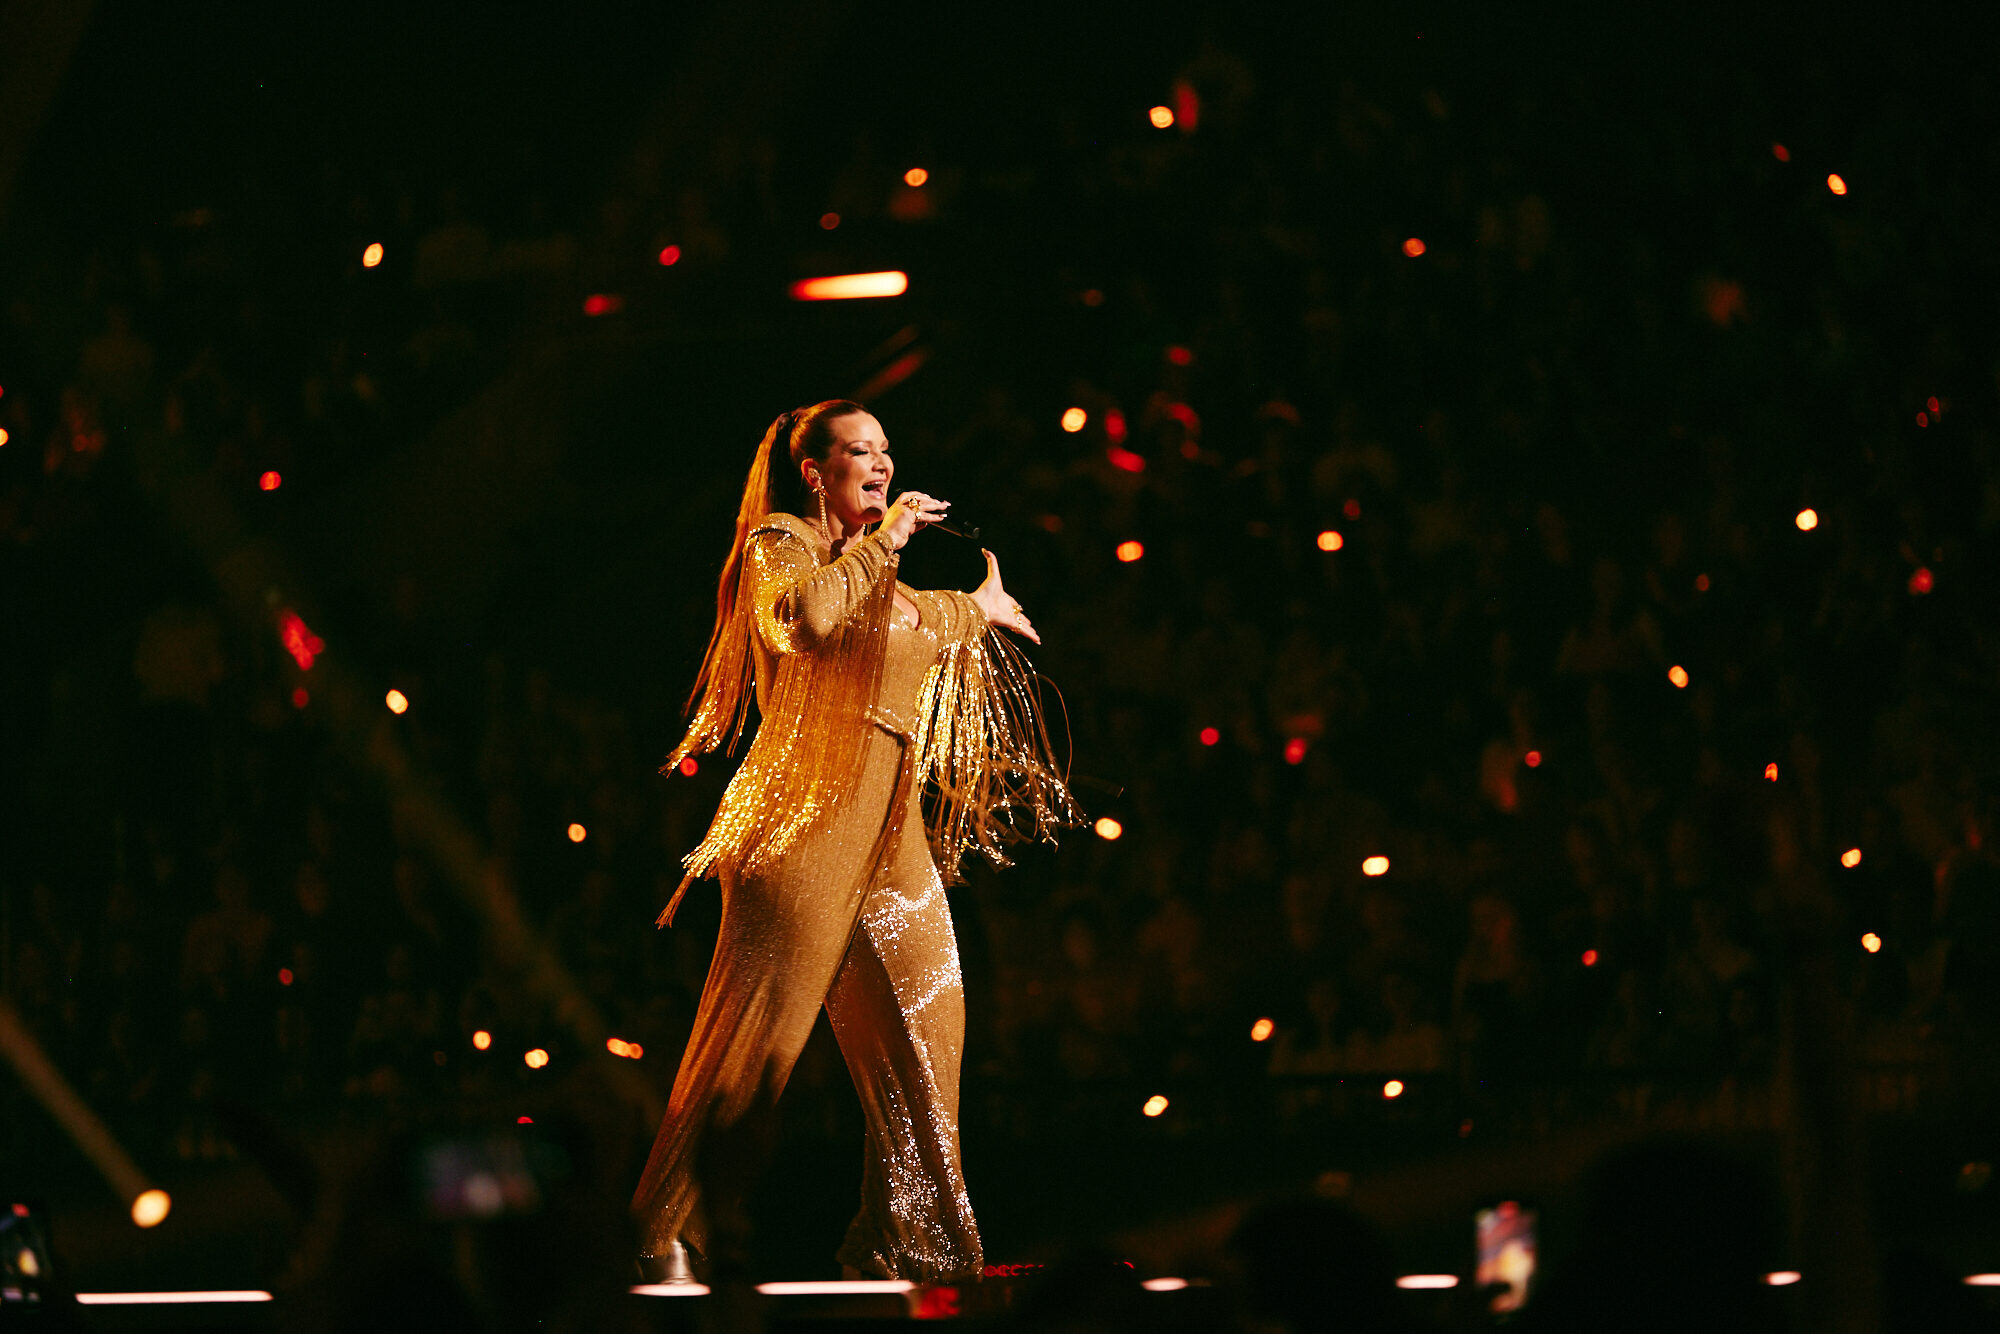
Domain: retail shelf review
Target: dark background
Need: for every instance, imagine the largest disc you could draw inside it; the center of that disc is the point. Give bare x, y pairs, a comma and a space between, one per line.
1636, 344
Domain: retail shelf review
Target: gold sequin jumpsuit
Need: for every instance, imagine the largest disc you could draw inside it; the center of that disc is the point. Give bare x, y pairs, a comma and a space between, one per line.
826, 901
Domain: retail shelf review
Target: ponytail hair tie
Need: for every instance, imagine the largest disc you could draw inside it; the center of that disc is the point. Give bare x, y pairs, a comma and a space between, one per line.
786, 421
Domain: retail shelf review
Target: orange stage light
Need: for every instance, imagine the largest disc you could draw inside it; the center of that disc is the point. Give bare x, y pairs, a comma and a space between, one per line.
1155, 1105
1108, 829
372, 256
1871, 942
1262, 1030
397, 701
1836, 183
851, 286
1807, 520
1678, 675
1073, 419
482, 1040
1393, 1089
577, 833
1771, 772
535, 1058
915, 177
1131, 551
1851, 858
1376, 865
1330, 541
4, 437
1161, 117
1413, 247
150, 1208
270, 481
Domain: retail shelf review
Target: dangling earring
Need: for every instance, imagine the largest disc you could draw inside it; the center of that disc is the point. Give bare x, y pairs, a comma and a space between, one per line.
819, 499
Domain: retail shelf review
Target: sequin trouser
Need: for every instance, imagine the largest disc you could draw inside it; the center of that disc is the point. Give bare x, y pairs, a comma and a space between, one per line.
789, 942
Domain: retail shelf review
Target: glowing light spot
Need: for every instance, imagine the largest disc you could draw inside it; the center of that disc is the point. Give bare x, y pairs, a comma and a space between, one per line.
1701, 583
1393, 1089
1807, 520
1923, 419
1782, 1278
1073, 420
151, 1207
1836, 182
524, 1120
372, 256
669, 256
1932, 404
1108, 829
852, 286
482, 1040
1261, 1030
1590, 958
1330, 541
270, 481
1210, 736
1125, 460
1780, 152
1533, 759
1920, 581
1131, 551
300, 698
602, 303
1295, 750
1092, 297
1678, 675
1180, 356
535, 1058
688, 767
915, 177
1164, 1284
1351, 508
1982, 1280
397, 701
1771, 773
828, 221
284, 977
299, 640
577, 833
1413, 247
1851, 858
1427, 1282
4, 437
1155, 1105
1376, 865
1161, 117
1871, 942
631, 1051
1114, 426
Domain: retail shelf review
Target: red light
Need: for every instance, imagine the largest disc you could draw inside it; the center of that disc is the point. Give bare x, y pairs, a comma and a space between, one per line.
300, 698
1590, 958
1180, 356
1114, 426
284, 977
1771, 773
1131, 551
600, 303
270, 481
1210, 736
1920, 581
1351, 508
849, 286
1780, 152
1701, 583
1413, 247
670, 255
1923, 419
1125, 460
524, 1120
688, 767
1932, 404
828, 221
1533, 759
1836, 182
1295, 750
1092, 297
915, 177
299, 640
1189, 419
1187, 106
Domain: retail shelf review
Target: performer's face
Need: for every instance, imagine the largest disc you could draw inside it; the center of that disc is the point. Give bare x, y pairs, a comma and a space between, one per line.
856, 472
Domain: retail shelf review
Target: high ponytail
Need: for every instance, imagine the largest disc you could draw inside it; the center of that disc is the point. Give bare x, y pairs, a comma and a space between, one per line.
720, 701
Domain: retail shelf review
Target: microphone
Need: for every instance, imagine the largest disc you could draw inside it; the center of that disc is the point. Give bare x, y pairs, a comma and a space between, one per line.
970, 532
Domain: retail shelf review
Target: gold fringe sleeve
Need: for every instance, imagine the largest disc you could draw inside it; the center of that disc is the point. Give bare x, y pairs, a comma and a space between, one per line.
825, 629
985, 752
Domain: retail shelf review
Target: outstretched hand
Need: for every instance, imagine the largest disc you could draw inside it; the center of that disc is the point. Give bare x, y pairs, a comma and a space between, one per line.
999, 605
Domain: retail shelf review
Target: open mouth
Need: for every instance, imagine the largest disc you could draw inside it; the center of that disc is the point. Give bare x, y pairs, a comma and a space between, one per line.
875, 490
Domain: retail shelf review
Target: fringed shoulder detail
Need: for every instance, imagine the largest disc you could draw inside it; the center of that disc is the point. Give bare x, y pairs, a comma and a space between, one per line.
985, 751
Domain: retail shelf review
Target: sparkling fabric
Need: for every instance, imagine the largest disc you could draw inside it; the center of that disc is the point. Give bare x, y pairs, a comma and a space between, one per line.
828, 895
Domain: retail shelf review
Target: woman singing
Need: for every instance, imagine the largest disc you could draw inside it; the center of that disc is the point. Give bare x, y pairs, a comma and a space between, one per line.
832, 865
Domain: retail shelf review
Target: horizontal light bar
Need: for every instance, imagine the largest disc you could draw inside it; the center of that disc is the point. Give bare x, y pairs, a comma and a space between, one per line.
1782, 1278
669, 1290
167, 1298
1982, 1280
1427, 1281
835, 1287
848, 286
1164, 1284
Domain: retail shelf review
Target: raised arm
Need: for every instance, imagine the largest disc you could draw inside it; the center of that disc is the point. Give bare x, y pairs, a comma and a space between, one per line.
799, 603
